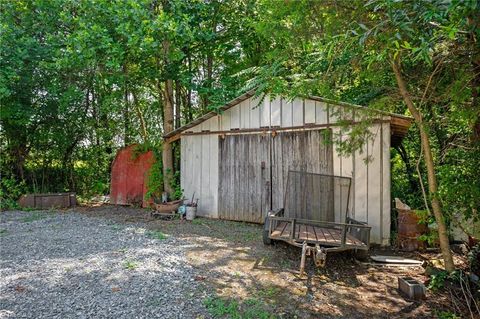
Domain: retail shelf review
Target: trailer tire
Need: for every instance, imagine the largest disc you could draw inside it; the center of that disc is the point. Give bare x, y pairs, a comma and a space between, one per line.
361, 254
266, 240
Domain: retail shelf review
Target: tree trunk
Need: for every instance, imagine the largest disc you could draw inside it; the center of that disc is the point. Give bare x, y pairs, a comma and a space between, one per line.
409, 170
432, 179
126, 121
138, 110
178, 103
167, 152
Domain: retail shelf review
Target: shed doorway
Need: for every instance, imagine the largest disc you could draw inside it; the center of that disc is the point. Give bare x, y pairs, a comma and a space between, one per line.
253, 169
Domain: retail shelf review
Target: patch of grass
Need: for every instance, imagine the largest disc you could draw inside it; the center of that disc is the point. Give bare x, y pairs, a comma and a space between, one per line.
268, 292
3, 232
156, 234
198, 221
117, 227
230, 308
33, 217
447, 315
130, 265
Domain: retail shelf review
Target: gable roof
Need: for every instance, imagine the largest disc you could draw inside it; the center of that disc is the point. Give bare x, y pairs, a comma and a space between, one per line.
399, 123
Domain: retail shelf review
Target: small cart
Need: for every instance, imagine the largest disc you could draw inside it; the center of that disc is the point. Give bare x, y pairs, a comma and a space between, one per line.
315, 218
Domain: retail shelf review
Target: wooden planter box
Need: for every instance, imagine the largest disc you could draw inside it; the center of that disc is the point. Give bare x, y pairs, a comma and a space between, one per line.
50, 200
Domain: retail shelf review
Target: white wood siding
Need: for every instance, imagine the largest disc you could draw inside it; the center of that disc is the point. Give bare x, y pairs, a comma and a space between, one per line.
370, 191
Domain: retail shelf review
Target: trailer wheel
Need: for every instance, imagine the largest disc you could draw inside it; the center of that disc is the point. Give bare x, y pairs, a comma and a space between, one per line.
361, 254
266, 240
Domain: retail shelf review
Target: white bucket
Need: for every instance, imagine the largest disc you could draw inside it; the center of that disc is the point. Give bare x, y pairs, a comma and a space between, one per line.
191, 212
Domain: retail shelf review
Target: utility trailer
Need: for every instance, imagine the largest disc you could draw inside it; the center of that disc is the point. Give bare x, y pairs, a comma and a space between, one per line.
315, 218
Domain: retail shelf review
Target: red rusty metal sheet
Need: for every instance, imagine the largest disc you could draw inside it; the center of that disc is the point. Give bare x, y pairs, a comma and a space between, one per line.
129, 176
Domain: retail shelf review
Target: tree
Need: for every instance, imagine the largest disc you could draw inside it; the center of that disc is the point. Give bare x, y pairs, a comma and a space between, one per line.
363, 53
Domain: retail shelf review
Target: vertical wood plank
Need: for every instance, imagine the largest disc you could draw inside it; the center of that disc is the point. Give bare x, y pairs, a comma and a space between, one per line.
183, 168
197, 169
337, 170
225, 120
298, 112
360, 184
189, 175
265, 112
334, 113
287, 114
254, 108
213, 163
374, 184
310, 112
321, 111
275, 111
235, 117
245, 114
386, 184
204, 194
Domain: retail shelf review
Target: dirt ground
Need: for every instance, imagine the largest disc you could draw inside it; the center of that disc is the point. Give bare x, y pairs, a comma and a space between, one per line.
237, 266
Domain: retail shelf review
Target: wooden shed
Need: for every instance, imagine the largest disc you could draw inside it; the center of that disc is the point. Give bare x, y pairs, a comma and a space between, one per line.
236, 161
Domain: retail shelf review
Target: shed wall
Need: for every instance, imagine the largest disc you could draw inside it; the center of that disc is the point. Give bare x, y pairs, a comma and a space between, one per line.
370, 192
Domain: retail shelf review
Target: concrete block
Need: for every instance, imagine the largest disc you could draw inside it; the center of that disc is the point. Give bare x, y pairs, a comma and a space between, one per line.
412, 288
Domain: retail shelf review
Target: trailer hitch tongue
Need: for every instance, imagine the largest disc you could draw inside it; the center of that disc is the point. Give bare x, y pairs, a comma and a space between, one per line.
320, 256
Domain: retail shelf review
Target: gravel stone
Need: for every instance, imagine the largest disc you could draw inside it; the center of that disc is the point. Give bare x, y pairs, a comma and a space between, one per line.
67, 265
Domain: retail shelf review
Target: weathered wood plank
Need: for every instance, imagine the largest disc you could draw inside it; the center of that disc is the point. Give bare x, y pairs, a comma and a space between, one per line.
374, 183
226, 120
287, 113
386, 182
298, 112
275, 112
360, 182
254, 108
235, 117
321, 110
245, 114
310, 112
265, 112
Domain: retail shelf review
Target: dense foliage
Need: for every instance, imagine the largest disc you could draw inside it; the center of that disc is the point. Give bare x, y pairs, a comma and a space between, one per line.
80, 79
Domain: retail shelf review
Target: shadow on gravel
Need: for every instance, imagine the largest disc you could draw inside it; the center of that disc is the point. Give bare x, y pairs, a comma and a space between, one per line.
244, 275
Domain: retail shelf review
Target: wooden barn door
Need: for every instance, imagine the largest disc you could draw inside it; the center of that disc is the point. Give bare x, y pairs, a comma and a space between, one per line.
303, 151
253, 171
244, 177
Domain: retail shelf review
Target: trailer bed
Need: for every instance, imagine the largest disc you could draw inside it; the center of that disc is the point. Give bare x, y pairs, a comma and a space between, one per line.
313, 234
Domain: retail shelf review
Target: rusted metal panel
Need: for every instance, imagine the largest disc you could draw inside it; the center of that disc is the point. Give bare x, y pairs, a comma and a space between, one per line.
49, 200
129, 177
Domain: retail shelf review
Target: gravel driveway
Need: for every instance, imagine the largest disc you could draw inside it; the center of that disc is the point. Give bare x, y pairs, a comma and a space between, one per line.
67, 265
